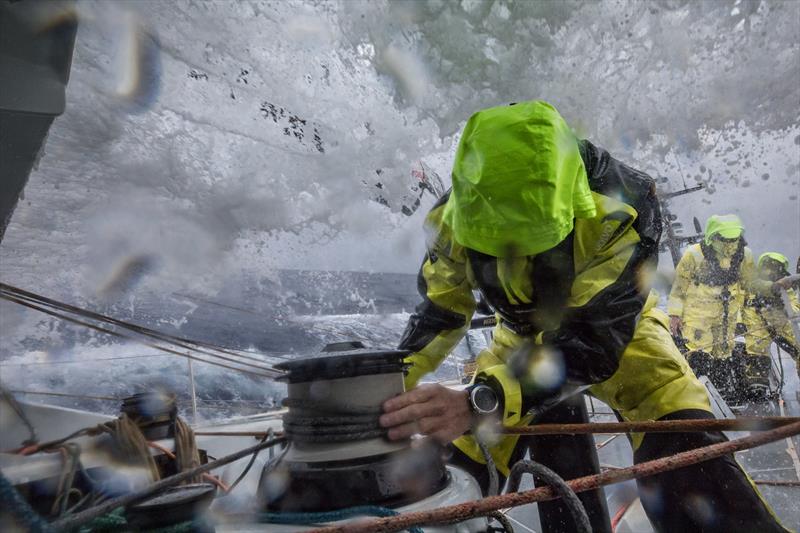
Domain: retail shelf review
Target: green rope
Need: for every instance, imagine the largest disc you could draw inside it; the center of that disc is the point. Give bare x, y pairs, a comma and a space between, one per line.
115, 521
299, 519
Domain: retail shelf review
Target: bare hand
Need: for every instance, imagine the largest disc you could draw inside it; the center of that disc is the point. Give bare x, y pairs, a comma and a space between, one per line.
429, 409
675, 325
783, 283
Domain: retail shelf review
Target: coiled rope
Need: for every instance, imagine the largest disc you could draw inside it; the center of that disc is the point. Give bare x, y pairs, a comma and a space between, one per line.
330, 423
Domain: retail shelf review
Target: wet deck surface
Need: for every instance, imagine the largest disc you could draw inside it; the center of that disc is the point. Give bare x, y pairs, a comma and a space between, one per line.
773, 462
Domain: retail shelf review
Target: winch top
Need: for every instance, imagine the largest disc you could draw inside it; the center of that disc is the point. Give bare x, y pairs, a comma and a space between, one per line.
347, 364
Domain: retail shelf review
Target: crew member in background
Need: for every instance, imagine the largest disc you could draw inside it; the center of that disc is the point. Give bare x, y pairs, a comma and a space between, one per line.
712, 280
766, 321
562, 240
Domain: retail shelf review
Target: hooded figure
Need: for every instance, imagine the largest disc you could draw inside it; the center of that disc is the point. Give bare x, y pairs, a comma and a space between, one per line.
711, 281
766, 321
561, 240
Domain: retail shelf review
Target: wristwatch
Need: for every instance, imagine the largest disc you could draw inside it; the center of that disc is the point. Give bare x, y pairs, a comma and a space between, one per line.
482, 399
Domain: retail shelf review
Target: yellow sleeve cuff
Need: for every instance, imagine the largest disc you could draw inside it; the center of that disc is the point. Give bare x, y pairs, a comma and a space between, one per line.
511, 391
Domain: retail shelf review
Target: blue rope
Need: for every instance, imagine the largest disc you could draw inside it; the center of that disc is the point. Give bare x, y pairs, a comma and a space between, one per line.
15, 504
330, 516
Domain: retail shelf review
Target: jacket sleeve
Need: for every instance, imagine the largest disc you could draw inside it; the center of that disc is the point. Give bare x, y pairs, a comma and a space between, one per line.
683, 280
442, 318
750, 280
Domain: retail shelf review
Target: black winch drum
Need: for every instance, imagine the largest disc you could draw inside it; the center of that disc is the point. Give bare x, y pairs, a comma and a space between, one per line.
328, 473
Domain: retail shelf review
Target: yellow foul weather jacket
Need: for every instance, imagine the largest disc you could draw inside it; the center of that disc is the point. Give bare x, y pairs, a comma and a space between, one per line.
580, 312
765, 318
708, 304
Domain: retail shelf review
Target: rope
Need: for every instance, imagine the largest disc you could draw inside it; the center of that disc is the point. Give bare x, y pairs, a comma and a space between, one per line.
504, 521
64, 395
115, 522
268, 435
134, 339
541, 472
9, 398
5, 293
104, 508
187, 457
494, 481
755, 423
71, 453
472, 509
179, 341
300, 519
78, 361
659, 426
330, 423
20, 509
130, 445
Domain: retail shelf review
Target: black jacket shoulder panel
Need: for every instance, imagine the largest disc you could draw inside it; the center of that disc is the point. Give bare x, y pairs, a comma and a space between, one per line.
611, 177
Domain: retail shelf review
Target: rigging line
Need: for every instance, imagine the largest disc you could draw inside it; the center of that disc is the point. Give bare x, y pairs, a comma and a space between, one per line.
43, 300
65, 395
27, 303
76, 361
269, 373
683, 178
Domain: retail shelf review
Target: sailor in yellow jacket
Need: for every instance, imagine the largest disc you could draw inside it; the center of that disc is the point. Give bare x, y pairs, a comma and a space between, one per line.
766, 321
712, 280
561, 239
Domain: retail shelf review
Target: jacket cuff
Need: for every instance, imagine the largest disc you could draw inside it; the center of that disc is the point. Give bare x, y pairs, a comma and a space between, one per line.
508, 391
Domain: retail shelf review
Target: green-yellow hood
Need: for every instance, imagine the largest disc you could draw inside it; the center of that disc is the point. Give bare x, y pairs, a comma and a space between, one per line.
727, 226
780, 258
518, 181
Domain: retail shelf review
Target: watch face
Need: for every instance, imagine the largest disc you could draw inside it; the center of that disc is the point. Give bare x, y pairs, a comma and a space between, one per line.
484, 399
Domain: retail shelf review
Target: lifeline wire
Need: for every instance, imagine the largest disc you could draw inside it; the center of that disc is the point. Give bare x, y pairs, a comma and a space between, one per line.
760, 423
473, 509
